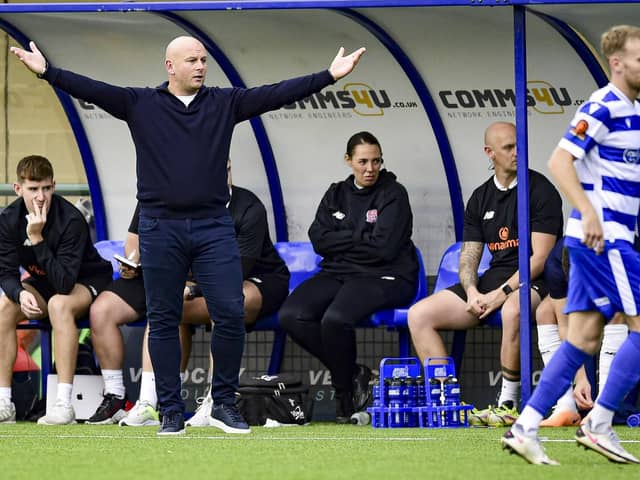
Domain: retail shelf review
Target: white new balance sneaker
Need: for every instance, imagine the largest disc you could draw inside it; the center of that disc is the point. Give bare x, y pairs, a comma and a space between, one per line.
141, 415
607, 444
60, 414
527, 447
7, 411
202, 415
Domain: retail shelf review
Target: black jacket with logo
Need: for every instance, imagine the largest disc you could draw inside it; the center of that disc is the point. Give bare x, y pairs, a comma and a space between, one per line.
366, 231
66, 254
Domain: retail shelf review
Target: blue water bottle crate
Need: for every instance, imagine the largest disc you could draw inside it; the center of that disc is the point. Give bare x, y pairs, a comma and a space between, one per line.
396, 394
443, 408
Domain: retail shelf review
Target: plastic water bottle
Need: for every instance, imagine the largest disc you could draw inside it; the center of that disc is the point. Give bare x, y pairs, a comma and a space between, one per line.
435, 391
411, 401
376, 420
384, 392
421, 399
452, 390
443, 391
452, 396
421, 393
375, 393
396, 401
360, 418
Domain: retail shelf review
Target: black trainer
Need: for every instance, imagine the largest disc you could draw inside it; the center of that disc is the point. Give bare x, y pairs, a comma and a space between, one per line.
361, 389
172, 424
228, 419
111, 410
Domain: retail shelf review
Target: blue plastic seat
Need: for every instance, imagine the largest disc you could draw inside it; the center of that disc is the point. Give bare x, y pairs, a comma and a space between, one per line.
302, 263
106, 249
447, 276
396, 318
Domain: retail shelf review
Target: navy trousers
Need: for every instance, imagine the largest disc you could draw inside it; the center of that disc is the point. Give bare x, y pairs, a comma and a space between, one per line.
169, 249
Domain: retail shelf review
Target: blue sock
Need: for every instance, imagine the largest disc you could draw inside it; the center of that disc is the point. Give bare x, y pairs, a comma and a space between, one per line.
623, 375
557, 376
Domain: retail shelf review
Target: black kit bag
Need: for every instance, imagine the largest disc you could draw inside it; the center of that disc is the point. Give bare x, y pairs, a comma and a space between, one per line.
25, 390
282, 398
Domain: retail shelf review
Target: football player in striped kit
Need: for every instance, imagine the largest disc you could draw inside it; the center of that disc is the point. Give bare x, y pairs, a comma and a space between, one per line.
597, 166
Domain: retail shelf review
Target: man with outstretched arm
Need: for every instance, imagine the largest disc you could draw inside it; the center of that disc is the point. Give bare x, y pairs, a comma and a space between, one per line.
182, 135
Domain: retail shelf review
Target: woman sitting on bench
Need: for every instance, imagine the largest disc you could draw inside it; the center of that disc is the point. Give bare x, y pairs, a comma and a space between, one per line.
362, 229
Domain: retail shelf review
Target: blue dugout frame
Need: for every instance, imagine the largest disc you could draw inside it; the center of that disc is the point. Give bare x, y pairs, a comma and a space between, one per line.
277, 5
344, 7
520, 56
86, 154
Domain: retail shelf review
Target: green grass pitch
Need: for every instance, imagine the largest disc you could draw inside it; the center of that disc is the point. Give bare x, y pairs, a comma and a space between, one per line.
316, 451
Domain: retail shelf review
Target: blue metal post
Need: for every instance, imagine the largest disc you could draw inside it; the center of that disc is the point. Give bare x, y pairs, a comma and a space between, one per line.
520, 60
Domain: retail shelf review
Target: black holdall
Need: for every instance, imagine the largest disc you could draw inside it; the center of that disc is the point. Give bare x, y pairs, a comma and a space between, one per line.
282, 398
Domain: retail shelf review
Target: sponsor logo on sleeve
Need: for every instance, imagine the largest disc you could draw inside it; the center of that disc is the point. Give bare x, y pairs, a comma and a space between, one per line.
580, 129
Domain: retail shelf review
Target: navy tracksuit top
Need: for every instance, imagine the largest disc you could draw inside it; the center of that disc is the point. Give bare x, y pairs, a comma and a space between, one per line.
182, 151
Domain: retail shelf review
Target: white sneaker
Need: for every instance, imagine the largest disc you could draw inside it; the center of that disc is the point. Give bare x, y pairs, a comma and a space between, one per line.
607, 444
7, 411
202, 416
141, 415
527, 447
60, 414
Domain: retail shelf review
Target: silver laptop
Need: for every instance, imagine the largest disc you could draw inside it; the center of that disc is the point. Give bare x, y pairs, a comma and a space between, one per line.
86, 395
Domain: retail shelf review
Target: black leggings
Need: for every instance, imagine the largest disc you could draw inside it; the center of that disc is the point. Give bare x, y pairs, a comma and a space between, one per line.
321, 314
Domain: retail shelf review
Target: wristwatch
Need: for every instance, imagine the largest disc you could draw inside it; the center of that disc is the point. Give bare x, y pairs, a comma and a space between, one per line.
507, 289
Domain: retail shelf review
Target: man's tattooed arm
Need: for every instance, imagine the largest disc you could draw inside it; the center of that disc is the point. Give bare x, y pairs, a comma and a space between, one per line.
470, 256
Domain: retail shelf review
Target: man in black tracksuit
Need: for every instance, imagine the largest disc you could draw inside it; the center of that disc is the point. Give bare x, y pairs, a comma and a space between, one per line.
48, 237
363, 231
491, 219
182, 135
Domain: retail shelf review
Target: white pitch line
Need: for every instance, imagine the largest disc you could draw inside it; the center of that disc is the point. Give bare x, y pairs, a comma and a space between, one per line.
562, 440
219, 437
259, 438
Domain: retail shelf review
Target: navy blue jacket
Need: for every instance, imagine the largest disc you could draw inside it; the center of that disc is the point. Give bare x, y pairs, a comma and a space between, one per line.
181, 151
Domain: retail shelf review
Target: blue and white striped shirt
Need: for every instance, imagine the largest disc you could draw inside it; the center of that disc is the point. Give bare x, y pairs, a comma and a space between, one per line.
604, 137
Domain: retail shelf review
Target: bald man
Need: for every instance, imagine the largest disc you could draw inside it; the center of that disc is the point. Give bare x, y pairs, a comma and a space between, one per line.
182, 135
491, 219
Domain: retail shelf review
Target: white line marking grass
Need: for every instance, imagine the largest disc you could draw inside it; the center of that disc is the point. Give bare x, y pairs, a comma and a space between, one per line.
220, 437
